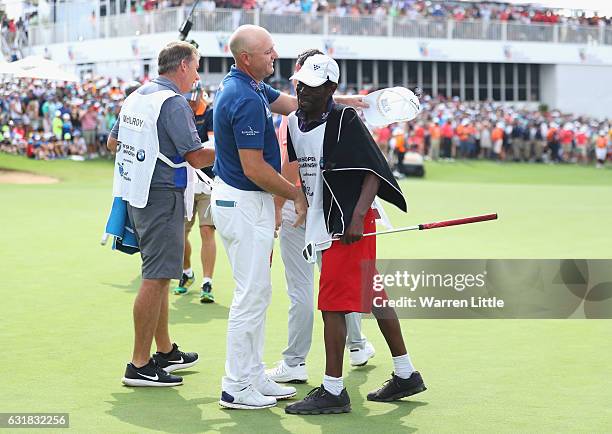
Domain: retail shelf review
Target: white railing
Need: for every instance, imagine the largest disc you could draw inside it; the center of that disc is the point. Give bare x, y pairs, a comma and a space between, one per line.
403, 27
491, 30
226, 20
358, 26
293, 23
531, 32
218, 21
579, 34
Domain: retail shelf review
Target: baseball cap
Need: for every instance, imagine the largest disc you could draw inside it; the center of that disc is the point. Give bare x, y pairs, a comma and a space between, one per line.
390, 105
317, 70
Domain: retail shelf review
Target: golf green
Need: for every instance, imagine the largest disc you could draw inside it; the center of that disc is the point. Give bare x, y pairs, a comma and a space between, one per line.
66, 314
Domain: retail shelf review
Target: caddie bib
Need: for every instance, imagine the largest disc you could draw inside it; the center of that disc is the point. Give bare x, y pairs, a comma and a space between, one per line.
138, 150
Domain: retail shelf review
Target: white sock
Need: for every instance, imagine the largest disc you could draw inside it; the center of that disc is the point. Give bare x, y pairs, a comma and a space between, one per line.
188, 272
403, 366
333, 385
207, 280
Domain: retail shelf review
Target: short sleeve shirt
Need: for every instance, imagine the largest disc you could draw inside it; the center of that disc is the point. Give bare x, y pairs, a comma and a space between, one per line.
176, 131
242, 120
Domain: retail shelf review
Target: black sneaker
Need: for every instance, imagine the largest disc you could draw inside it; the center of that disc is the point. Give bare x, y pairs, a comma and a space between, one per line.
176, 359
320, 401
206, 295
396, 388
149, 375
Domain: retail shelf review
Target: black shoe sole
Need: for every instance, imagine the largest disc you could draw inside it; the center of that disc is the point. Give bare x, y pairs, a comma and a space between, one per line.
330, 410
399, 395
293, 382
206, 301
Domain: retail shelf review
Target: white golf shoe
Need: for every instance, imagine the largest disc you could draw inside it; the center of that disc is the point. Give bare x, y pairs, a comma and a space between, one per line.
248, 398
269, 388
359, 357
283, 373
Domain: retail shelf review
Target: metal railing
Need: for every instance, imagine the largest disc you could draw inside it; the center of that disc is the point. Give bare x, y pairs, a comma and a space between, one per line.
490, 30
293, 23
219, 21
579, 34
406, 28
226, 20
531, 32
608, 37
358, 26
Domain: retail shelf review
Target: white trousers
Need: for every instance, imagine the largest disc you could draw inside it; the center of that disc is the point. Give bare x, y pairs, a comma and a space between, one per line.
299, 275
245, 223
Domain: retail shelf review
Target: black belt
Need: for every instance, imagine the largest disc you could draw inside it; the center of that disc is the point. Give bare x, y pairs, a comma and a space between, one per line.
178, 189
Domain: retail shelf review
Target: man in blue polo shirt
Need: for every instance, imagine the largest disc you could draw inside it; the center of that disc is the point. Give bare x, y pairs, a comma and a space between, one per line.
247, 168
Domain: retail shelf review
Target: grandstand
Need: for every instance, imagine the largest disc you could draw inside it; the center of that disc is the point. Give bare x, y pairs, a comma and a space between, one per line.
519, 55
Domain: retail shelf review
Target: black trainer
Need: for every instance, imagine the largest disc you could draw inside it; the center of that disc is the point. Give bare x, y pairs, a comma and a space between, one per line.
320, 401
149, 375
396, 388
175, 359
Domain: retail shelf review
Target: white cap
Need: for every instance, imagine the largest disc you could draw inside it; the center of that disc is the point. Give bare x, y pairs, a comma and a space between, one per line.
317, 70
394, 104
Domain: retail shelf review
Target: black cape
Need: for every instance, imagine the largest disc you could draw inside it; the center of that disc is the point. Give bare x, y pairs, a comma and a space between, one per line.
349, 153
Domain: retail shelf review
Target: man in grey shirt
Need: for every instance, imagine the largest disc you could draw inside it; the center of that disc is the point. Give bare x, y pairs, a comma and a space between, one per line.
159, 226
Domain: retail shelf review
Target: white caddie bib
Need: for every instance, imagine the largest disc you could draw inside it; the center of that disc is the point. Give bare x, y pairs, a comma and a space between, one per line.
308, 147
138, 150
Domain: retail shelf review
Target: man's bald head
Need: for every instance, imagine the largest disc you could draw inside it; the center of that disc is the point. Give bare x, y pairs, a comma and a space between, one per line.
253, 51
246, 38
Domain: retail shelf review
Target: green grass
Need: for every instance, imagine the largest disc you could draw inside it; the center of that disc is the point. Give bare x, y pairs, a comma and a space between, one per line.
66, 328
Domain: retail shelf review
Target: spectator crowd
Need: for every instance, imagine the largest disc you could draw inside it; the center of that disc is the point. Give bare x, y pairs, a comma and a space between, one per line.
43, 120
452, 129
412, 9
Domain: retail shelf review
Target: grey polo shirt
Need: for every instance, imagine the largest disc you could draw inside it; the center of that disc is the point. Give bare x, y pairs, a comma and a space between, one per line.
176, 132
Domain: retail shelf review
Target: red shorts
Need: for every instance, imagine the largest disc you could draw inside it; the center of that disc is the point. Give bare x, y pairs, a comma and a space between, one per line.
347, 273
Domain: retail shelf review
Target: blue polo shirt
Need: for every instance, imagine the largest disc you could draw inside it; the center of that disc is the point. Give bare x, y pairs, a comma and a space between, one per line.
242, 120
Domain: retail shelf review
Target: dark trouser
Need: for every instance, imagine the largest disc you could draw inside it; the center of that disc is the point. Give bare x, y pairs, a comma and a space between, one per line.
447, 145
400, 161
554, 151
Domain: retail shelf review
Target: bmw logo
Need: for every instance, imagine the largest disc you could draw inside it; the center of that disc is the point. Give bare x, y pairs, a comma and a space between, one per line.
140, 155
120, 169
